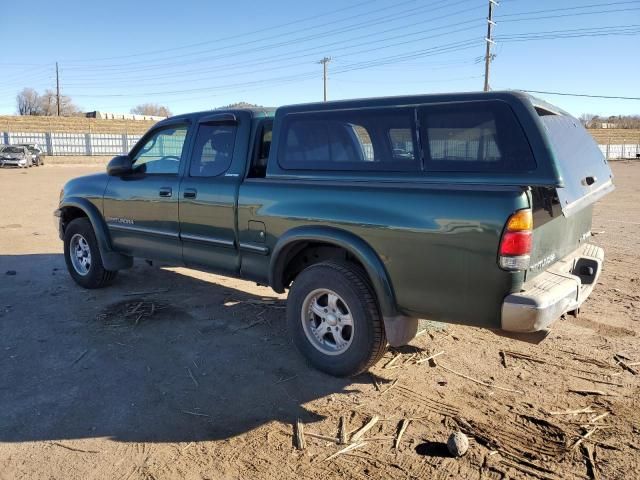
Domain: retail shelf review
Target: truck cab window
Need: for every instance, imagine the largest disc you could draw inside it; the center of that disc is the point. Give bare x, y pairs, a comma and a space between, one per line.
213, 150
161, 154
261, 156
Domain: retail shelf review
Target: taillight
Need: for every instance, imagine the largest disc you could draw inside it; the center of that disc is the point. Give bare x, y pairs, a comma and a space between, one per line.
515, 245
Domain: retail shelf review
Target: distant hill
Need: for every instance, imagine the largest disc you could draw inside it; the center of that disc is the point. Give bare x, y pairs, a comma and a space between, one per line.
240, 105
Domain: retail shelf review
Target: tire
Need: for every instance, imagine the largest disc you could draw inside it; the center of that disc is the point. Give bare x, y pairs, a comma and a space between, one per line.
80, 241
358, 346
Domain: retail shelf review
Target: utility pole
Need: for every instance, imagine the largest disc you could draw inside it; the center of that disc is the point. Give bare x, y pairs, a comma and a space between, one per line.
489, 40
57, 90
324, 63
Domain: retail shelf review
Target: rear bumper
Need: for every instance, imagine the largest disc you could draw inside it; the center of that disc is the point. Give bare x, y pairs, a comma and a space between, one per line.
562, 288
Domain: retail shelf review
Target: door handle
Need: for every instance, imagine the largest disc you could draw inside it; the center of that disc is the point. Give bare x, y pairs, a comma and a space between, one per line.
166, 192
190, 193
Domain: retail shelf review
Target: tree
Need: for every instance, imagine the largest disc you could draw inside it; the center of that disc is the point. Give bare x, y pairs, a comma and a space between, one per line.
28, 102
151, 109
587, 119
49, 107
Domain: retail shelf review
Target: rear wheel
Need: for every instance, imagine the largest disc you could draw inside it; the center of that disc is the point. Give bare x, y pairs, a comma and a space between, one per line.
82, 256
334, 319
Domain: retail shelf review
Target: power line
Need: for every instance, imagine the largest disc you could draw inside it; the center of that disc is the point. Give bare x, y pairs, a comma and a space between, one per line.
268, 60
559, 37
573, 33
240, 35
575, 14
447, 48
575, 7
126, 67
581, 95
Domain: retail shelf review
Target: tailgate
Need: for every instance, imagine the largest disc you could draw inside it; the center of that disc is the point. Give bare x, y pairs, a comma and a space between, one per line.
562, 215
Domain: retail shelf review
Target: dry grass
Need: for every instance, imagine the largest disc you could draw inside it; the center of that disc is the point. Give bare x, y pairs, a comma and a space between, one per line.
72, 125
616, 135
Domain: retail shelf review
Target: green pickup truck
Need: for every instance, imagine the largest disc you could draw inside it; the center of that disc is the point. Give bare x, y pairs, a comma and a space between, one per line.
470, 208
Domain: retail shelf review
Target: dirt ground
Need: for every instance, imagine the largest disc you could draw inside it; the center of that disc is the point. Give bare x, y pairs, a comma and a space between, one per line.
173, 374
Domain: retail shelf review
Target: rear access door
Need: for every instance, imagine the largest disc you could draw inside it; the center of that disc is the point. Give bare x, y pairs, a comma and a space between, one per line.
563, 214
208, 195
584, 170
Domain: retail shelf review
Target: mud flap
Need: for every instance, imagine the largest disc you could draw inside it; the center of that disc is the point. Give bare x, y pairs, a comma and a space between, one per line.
400, 330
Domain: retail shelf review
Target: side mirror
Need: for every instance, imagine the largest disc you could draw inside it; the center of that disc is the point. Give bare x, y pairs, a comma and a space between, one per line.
119, 165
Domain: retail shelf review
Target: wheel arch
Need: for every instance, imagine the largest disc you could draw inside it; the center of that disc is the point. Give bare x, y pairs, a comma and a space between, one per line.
76, 207
297, 239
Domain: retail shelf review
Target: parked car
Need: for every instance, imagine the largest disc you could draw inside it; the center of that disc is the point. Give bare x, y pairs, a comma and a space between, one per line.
15, 156
470, 208
36, 153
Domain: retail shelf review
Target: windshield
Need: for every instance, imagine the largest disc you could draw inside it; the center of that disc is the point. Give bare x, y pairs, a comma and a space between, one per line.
31, 148
13, 150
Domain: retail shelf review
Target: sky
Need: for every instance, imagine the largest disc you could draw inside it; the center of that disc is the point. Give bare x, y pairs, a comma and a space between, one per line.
198, 55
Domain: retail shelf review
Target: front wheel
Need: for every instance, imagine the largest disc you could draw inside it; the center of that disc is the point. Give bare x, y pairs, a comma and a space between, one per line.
334, 319
82, 256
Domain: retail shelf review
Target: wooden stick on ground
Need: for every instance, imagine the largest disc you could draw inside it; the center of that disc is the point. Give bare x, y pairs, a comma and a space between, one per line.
574, 412
584, 437
479, 382
342, 430
624, 364
429, 358
393, 384
193, 378
403, 427
80, 357
368, 426
599, 417
375, 382
393, 360
346, 449
594, 380
528, 470
299, 435
322, 437
503, 357
591, 462
591, 392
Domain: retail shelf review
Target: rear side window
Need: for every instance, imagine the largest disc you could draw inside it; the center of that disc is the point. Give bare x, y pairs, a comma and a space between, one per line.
474, 137
381, 140
213, 150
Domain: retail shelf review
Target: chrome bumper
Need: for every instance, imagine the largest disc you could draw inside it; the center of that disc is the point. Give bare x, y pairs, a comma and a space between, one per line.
562, 288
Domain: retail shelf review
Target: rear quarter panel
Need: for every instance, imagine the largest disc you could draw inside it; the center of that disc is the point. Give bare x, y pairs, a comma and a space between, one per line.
438, 243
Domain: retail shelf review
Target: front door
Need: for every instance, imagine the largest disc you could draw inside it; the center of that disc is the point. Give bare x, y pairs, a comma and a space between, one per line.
141, 207
207, 198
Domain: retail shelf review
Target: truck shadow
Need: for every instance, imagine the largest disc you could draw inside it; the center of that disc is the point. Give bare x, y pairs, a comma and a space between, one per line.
161, 356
